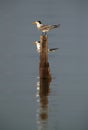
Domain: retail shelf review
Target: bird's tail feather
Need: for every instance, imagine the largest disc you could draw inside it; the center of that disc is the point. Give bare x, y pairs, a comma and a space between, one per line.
55, 26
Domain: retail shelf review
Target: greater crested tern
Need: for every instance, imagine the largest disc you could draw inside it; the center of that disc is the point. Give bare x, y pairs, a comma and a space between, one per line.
45, 28
37, 43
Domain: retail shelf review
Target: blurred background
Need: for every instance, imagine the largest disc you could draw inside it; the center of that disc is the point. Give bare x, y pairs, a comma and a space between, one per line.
66, 103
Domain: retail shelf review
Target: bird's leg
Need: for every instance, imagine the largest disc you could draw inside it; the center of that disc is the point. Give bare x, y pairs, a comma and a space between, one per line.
45, 33
42, 33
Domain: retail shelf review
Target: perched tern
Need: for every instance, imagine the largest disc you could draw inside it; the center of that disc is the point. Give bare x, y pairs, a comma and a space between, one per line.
37, 43
45, 28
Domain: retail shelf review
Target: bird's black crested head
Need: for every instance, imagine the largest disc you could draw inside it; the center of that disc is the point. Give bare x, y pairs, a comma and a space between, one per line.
39, 22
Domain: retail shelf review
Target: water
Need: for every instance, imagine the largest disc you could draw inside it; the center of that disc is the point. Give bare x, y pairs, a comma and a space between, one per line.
66, 103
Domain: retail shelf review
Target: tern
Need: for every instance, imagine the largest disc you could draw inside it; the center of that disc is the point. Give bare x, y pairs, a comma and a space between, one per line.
45, 28
37, 43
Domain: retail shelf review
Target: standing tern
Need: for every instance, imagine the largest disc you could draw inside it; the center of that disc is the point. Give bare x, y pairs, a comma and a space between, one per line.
37, 43
45, 28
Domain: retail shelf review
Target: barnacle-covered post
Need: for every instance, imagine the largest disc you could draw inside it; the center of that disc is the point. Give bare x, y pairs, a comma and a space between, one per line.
44, 69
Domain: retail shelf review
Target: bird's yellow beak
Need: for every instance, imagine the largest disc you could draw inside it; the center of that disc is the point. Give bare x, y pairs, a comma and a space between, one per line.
33, 42
33, 22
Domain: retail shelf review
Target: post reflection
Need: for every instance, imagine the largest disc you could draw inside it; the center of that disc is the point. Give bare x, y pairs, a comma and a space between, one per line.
43, 91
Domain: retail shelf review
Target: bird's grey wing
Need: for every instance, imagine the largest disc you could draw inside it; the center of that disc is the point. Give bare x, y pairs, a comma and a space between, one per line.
45, 27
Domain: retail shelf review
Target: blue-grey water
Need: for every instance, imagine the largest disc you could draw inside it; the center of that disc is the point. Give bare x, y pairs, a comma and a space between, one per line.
66, 104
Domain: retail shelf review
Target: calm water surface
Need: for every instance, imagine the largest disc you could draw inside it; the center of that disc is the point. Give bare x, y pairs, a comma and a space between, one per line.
65, 106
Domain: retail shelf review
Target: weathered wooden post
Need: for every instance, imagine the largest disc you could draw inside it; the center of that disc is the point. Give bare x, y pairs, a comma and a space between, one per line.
44, 70
45, 79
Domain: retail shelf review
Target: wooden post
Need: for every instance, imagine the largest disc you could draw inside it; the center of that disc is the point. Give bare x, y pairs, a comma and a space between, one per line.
45, 79
44, 65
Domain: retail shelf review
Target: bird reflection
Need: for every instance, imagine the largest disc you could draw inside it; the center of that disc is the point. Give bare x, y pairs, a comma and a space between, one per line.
43, 91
